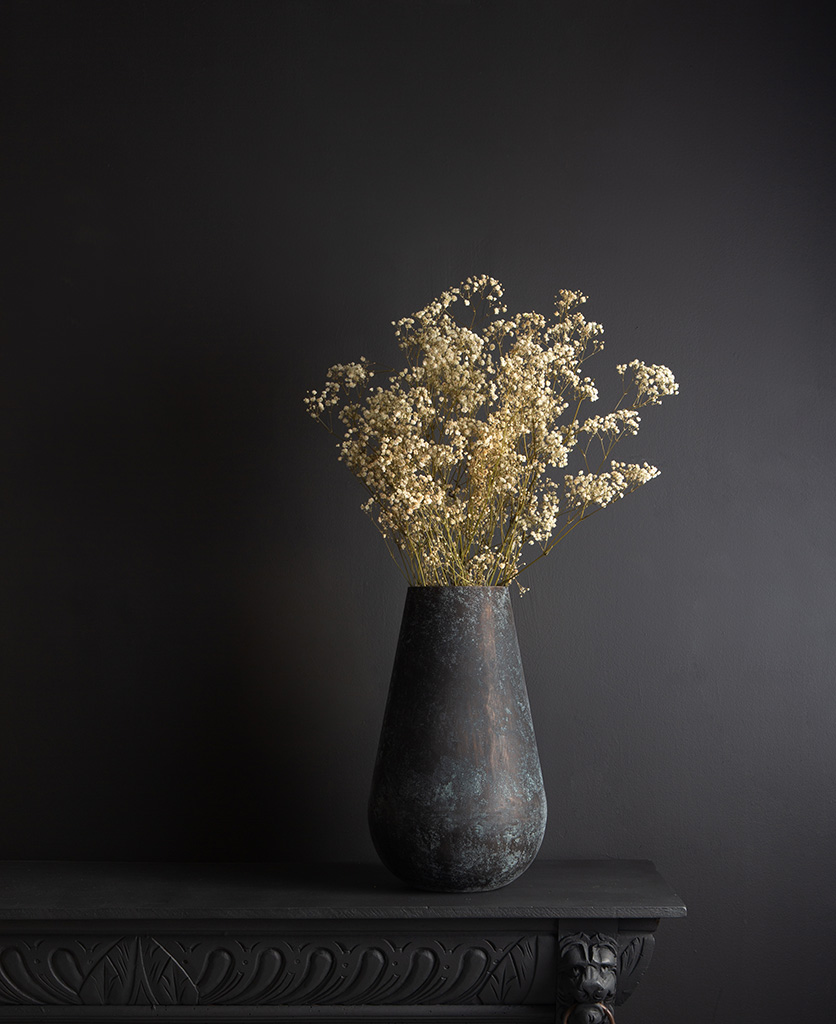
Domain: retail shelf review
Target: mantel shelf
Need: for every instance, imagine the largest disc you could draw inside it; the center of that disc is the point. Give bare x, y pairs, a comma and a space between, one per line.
118, 941
100, 891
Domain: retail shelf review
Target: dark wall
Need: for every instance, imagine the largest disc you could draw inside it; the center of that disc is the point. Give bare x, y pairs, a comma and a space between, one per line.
204, 206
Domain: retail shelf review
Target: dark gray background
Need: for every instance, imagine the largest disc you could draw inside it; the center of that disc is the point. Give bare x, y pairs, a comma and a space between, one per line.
207, 204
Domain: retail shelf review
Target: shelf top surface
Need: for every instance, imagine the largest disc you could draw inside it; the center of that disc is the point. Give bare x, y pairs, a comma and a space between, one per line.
119, 890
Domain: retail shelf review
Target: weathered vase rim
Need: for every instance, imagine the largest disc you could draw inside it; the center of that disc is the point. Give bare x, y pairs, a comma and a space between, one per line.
456, 586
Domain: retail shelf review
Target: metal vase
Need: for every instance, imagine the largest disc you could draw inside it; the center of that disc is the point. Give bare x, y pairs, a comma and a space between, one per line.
457, 801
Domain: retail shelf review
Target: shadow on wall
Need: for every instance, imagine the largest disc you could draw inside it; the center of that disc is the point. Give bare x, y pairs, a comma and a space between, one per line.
160, 692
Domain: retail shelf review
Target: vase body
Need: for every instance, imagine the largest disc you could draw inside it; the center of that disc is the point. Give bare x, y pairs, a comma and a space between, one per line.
457, 801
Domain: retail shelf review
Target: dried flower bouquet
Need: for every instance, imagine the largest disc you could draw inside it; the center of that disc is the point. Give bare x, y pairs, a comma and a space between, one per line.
455, 449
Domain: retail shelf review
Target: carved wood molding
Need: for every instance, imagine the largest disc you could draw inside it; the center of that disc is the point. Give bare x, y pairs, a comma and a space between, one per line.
598, 971
253, 970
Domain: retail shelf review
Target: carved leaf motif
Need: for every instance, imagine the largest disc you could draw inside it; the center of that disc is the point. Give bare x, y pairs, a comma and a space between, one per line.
633, 961
218, 976
66, 970
472, 971
362, 981
137, 972
314, 978
511, 978
18, 985
419, 980
164, 980
266, 982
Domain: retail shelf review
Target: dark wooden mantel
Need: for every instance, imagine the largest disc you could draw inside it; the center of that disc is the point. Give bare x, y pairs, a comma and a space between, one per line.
248, 942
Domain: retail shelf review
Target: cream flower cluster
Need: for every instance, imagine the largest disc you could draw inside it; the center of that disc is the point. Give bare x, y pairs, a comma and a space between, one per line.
652, 383
604, 488
457, 450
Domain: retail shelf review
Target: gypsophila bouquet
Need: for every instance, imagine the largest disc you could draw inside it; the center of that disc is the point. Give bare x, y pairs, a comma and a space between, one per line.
457, 450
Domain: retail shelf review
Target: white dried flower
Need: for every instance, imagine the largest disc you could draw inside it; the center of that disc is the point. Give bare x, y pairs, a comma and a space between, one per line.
652, 383
454, 450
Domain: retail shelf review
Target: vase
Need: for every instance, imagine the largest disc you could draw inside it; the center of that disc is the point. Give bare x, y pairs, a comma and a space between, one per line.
457, 801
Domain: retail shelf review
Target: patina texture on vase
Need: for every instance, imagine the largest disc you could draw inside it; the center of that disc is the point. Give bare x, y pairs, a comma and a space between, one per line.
457, 801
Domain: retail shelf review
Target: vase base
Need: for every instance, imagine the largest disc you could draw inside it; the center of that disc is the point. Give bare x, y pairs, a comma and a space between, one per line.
459, 879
